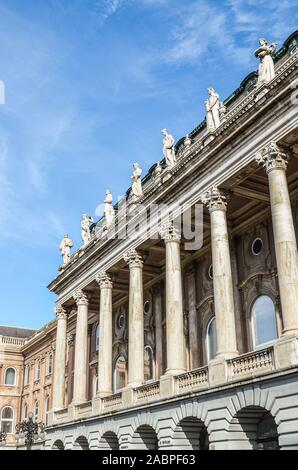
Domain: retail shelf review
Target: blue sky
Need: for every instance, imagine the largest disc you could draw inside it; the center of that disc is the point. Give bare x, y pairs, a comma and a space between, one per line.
89, 86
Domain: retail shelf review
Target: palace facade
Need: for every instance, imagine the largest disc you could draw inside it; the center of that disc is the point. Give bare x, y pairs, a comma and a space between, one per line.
162, 345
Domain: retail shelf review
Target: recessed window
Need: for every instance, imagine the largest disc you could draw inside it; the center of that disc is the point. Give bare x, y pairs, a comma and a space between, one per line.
210, 272
120, 374
148, 363
263, 321
7, 418
120, 321
25, 411
47, 410
36, 410
97, 338
147, 307
27, 374
37, 370
50, 364
210, 340
10, 377
257, 246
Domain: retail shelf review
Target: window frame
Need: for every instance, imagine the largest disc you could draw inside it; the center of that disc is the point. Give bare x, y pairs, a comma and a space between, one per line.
5, 420
50, 363
27, 375
34, 410
253, 324
115, 390
147, 346
97, 333
37, 369
15, 376
207, 344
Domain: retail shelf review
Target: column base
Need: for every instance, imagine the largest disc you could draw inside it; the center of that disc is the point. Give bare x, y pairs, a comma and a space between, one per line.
218, 371
175, 371
286, 351
103, 394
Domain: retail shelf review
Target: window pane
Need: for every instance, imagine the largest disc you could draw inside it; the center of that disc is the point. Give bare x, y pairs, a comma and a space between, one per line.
148, 364
211, 340
10, 377
264, 320
97, 338
6, 426
120, 374
7, 413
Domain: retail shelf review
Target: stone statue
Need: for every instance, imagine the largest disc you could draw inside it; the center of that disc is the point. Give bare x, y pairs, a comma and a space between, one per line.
65, 246
136, 187
265, 53
168, 148
85, 225
212, 108
109, 211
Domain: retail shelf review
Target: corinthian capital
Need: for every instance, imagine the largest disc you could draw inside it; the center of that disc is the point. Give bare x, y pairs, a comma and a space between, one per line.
215, 199
104, 281
133, 259
80, 297
169, 233
60, 312
272, 157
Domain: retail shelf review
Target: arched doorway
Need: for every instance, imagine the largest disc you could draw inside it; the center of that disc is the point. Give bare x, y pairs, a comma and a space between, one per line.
253, 427
109, 441
144, 438
191, 433
58, 445
81, 443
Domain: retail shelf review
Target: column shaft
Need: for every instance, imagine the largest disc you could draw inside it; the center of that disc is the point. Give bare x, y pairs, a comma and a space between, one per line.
193, 321
60, 360
136, 320
158, 331
81, 342
105, 336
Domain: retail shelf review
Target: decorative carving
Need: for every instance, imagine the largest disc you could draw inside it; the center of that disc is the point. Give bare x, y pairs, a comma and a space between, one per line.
65, 246
265, 53
187, 142
170, 233
60, 312
85, 226
212, 108
168, 148
136, 187
215, 199
104, 280
272, 157
133, 259
80, 297
70, 339
109, 211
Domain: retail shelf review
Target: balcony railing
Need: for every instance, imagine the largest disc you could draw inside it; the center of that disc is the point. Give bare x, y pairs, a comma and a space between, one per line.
147, 393
112, 402
192, 380
254, 363
12, 341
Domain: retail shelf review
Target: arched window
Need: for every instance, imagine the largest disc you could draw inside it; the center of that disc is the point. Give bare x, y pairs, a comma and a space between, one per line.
27, 374
47, 409
25, 411
210, 340
37, 370
97, 338
10, 376
7, 420
148, 363
95, 385
36, 410
50, 364
263, 321
120, 374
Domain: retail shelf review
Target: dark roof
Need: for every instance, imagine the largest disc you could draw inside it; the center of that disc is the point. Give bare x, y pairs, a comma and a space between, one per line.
16, 332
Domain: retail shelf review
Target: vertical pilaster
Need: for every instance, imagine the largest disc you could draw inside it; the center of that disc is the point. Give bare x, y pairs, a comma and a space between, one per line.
158, 330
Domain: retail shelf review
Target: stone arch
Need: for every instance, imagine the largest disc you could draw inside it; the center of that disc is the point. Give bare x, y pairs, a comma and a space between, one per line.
58, 445
109, 441
144, 438
253, 427
81, 443
190, 433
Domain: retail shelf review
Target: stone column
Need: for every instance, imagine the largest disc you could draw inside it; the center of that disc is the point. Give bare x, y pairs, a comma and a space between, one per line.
275, 162
176, 354
60, 360
215, 200
105, 335
81, 341
158, 330
192, 319
136, 319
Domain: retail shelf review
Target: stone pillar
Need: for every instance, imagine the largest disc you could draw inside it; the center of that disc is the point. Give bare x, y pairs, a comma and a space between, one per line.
105, 371
136, 319
192, 319
176, 354
81, 342
158, 330
275, 162
60, 360
215, 200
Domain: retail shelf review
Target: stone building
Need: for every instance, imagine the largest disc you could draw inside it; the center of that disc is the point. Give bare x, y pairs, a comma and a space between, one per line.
158, 344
